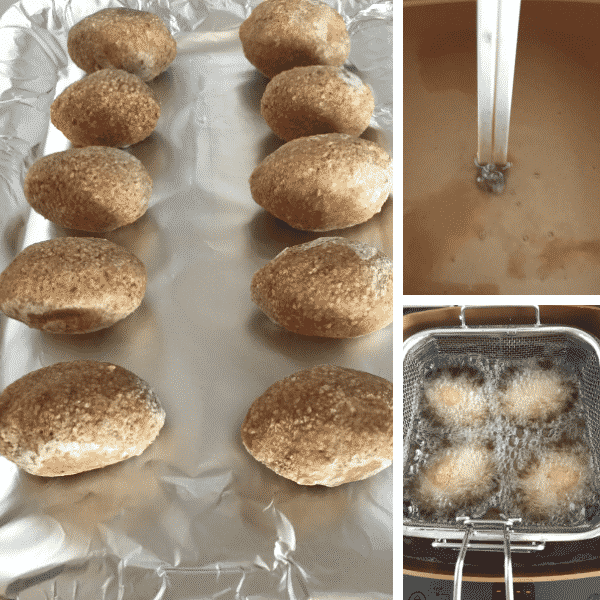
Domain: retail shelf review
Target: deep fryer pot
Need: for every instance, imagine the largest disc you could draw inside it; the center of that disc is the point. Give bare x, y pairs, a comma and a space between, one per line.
571, 346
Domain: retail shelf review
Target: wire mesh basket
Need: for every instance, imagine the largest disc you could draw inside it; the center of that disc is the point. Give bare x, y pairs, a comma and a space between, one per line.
574, 350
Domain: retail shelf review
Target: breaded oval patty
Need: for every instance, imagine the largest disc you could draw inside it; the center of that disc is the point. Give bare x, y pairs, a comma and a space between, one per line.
460, 475
91, 189
313, 100
72, 285
457, 398
107, 108
554, 478
77, 416
323, 426
122, 38
330, 287
323, 182
534, 395
282, 34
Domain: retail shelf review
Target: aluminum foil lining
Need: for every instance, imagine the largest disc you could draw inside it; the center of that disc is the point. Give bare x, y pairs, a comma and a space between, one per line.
195, 516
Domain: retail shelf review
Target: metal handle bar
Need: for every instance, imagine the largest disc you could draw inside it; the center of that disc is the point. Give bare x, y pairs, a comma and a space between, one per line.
491, 546
508, 577
487, 522
466, 306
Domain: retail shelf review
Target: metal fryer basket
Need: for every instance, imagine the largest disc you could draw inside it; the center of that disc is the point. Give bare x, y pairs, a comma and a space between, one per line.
566, 345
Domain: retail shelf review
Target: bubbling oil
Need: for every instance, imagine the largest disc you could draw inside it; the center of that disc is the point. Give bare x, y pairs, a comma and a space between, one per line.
525, 454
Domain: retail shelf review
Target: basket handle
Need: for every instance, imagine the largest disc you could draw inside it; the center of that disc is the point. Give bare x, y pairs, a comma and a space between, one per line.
466, 306
508, 576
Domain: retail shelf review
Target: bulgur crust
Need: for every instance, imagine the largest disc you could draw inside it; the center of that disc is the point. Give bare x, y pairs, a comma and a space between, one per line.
283, 34
314, 100
91, 189
122, 38
331, 287
323, 182
72, 285
77, 416
323, 426
107, 108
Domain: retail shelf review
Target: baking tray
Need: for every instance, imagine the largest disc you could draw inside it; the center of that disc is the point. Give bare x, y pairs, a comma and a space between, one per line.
194, 516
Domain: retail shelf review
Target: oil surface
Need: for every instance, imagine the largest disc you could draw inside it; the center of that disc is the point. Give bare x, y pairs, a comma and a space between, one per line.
541, 234
517, 451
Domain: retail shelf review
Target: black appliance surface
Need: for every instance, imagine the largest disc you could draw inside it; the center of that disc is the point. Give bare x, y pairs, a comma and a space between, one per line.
420, 588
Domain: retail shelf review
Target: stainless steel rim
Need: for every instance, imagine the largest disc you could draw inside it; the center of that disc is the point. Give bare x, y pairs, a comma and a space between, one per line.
438, 532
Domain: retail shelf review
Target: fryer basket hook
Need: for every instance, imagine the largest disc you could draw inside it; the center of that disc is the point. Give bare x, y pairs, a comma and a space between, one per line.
508, 576
464, 308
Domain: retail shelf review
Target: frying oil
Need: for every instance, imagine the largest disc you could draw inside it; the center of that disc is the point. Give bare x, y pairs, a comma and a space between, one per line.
523, 454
